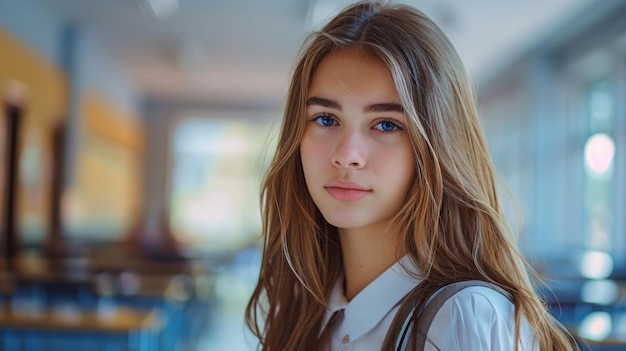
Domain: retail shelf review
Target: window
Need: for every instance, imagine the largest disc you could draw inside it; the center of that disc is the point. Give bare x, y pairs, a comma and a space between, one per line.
217, 168
598, 155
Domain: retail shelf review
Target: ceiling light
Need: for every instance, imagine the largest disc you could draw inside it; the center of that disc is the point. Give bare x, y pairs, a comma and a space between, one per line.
159, 8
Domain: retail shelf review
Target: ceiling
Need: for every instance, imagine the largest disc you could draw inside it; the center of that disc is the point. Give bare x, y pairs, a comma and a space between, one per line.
240, 52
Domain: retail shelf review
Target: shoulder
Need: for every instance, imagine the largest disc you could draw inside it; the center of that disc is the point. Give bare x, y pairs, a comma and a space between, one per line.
476, 318
478, 302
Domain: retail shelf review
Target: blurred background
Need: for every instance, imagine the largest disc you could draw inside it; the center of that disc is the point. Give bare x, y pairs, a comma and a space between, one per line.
134, 133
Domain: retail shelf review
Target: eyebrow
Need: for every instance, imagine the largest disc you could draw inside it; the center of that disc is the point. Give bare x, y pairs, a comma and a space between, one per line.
334, 104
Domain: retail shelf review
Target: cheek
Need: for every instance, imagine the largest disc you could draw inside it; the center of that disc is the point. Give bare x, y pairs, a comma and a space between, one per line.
398, 167
311, 154
409, 160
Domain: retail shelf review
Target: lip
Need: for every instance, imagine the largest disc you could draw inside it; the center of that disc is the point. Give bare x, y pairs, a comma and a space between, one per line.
346, 191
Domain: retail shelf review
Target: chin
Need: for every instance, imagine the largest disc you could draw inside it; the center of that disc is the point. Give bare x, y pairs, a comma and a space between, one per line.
344, 222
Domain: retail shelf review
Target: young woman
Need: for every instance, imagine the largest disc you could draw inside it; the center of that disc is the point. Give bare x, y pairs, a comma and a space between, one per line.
382, 191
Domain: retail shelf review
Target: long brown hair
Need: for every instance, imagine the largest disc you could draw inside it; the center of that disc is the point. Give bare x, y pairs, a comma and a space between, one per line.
454, 227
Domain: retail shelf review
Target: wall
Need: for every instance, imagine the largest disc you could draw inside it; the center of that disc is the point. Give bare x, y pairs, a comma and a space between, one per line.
62, 62
540, 117
45, 91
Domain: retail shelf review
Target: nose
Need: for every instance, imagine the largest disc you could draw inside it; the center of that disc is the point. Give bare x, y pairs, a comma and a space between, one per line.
350, 152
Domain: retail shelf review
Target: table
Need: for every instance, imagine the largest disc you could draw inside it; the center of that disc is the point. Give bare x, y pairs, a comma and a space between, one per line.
137, 328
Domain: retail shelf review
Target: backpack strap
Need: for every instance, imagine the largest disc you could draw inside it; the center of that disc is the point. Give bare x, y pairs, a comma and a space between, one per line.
432, 306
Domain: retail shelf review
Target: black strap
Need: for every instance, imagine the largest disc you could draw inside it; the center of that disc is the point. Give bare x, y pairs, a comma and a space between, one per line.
432, 306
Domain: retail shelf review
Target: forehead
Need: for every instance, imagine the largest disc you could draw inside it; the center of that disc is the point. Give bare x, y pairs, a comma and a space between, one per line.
353, 71
347, 57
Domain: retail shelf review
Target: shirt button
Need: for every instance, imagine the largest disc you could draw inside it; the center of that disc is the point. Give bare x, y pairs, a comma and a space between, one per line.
346, 339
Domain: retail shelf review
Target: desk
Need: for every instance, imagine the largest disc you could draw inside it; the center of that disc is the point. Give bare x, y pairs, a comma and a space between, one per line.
606, 345
6, 285
62, 296
138, 329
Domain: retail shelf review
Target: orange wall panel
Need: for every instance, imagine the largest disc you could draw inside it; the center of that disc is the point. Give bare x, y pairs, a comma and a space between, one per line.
45, 93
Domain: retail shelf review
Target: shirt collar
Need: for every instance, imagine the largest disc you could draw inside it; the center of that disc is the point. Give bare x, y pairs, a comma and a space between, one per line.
336, 300
373, 303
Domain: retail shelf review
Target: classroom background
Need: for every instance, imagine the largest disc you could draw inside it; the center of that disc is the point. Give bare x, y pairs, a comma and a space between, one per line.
134, 134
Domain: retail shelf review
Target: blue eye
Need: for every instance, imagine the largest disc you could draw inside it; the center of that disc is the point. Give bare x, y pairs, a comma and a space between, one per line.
386, 126
326, 120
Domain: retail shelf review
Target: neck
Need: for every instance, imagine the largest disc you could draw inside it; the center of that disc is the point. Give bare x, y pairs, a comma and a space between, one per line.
366, 255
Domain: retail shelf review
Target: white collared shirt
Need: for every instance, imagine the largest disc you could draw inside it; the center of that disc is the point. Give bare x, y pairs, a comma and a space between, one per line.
476, 318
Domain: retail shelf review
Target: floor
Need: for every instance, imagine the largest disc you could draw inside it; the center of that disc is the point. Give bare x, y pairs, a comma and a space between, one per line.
233, 287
